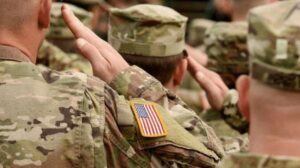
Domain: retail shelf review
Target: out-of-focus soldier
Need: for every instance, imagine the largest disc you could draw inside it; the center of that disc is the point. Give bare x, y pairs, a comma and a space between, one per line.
269, 97
68, 119
152, 37
197, 31
60, 53
190, 91
99, 10
226, 47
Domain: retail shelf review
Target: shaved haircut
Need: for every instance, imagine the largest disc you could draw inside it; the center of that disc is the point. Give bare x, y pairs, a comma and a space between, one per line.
14, 13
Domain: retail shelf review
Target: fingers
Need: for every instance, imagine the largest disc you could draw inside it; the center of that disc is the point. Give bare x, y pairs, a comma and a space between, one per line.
214, 93
77, 28
193, 66
81, 31
90, 52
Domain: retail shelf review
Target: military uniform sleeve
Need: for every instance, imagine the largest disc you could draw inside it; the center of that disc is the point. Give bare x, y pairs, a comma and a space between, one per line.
126, 147
231, 114
110, 147
134, 82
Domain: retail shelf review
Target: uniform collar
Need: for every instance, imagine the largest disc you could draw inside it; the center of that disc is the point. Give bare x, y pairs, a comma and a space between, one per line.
12, 54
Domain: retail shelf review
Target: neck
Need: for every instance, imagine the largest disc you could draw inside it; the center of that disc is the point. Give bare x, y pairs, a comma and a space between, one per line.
26, 43
276, 136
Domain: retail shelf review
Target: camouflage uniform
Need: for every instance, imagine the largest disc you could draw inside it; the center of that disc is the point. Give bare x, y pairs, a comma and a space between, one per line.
197, 30
156, 31
273, 43
226, 47
53, 57
68, 119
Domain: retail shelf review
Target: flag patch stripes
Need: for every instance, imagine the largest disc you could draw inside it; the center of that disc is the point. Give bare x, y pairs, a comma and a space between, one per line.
148, 119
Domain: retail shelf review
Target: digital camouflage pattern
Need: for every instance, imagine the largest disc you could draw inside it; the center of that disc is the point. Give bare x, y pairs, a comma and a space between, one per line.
231, 113
56, 59
197, 30
230, 126
226, 47
193, 98
259, 161
274, 44
274, 53
150, 89
147, 30
55, 119
52, 119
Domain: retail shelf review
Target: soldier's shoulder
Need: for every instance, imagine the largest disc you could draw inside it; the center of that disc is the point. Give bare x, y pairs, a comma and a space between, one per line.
71, 77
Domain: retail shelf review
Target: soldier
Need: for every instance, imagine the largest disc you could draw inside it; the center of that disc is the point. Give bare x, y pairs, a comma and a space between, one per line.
53, 119
226, 47
60, 53
197, 31
190, 91
269, 97
160, 53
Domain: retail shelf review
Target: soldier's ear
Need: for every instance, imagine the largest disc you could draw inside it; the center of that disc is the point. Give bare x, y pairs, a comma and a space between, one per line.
180, 71
243, 85
44, 13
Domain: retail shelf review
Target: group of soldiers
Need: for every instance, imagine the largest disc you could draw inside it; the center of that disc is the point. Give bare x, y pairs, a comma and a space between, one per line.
146, 98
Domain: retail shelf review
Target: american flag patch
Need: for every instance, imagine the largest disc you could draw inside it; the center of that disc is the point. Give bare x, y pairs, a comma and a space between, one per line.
149, 120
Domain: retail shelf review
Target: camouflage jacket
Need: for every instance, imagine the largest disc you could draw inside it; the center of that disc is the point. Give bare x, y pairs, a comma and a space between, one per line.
56, 59
150, 89
55, 119
259, 161
135, 82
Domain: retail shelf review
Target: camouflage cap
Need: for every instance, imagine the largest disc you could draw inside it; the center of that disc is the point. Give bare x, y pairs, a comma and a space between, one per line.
58, 28
274, 44
226, 47
147, 30
197, 31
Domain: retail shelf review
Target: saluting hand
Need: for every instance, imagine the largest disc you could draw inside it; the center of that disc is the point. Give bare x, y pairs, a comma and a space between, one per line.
211, 82
105, 60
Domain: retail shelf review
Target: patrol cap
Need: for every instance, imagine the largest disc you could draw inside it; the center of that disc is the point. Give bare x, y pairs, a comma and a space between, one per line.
197, 31
147, 30
226, 47
274, 44
58, 28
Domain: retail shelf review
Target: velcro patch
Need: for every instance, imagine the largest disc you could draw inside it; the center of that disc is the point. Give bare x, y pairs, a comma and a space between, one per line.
148, 118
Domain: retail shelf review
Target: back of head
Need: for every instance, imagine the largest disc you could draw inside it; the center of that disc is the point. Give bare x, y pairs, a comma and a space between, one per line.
226, 47
150, 36
15, 13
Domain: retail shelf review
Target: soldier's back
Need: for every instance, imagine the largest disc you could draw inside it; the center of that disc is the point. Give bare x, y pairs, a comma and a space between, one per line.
54, 119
